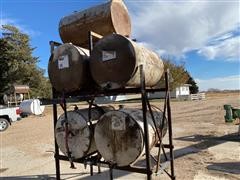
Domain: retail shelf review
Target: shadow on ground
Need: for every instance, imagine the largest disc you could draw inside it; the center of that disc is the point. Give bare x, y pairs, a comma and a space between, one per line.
204, 142
80, 176
43, 176
228, 167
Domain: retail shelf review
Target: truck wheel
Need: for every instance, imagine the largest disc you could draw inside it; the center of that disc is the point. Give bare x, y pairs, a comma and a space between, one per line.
3, 124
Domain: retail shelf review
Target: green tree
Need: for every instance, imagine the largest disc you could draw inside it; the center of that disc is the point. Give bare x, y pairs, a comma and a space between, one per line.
18, 65
5, 64
178, 75
193, 88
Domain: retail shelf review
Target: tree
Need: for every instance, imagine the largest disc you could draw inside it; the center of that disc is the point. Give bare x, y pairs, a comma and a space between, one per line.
193, 88
18, 65
5, 64
178, 75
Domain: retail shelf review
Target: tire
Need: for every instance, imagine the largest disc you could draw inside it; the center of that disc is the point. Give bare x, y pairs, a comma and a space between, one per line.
4, 124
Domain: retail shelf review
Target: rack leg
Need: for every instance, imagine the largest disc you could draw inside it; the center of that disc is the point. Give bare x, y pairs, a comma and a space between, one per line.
170, 141
111, 172
57, 163
170, 127
99, 169
146, 135
91, 169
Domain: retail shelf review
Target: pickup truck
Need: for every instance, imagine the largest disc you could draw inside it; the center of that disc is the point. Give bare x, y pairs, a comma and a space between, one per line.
7, 116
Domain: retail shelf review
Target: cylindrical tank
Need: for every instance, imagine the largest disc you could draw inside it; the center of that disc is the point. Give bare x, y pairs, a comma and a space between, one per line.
20, 89
11, 98
115, 60
68, 68
104, 19
229, 113
7, 98
31, 106
80, 139
119, 135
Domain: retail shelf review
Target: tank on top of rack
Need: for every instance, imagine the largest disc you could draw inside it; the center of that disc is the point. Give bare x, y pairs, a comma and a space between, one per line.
68, 68
104, 19
115, 62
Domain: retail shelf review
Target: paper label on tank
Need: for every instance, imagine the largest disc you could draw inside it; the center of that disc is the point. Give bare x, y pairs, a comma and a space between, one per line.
118, 124
63, 62
108, 55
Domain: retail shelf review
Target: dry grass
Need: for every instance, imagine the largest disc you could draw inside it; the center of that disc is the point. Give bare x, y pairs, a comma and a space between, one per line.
202, 140
222, 94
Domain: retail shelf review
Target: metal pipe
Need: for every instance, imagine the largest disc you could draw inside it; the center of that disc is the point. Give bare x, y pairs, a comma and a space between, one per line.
170, 125
160, 143
57, 163
145, 123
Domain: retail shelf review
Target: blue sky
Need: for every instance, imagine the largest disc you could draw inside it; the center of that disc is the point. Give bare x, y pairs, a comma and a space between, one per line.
204, 35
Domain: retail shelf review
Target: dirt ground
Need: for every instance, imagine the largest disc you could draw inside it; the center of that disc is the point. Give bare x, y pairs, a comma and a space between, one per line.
206, 148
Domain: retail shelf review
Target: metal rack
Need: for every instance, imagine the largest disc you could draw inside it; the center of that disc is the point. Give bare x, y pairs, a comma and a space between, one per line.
94, 159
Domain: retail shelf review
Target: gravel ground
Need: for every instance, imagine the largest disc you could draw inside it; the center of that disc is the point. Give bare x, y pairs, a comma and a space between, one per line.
205, 146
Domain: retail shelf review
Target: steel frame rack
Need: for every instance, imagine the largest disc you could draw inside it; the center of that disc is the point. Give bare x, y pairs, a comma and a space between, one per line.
90, 95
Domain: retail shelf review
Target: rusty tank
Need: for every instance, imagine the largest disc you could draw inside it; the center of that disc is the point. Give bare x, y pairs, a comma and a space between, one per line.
115, 62
80, 139
68, 68
104, 19
119, 135
23, 89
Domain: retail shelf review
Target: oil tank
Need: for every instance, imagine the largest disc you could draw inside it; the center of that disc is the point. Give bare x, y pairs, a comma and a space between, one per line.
20, 89
104, 19
80, 139
11, 98
119, 135
68, 68
115, 61
31, 106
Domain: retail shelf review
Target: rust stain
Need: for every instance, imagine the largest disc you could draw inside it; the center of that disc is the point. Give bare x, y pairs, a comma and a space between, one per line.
3, 170
104, 19
124, 69
125, 146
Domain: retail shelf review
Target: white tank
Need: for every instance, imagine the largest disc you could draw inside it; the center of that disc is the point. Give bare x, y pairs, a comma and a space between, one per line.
10, 98
32, 106
80, 138
6, 98
119, 135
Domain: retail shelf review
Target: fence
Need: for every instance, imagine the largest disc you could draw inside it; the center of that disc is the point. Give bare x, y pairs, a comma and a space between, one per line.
199, 96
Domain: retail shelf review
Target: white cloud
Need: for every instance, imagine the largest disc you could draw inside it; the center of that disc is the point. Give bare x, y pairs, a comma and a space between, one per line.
6, 21
221, 83
21, 27
177, 27
228, 49
222, 37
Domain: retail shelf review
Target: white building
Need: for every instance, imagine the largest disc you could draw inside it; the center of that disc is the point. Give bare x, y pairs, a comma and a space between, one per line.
183, 90
180, 92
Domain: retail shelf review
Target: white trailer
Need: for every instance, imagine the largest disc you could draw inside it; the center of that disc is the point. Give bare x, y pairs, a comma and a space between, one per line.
7, 116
